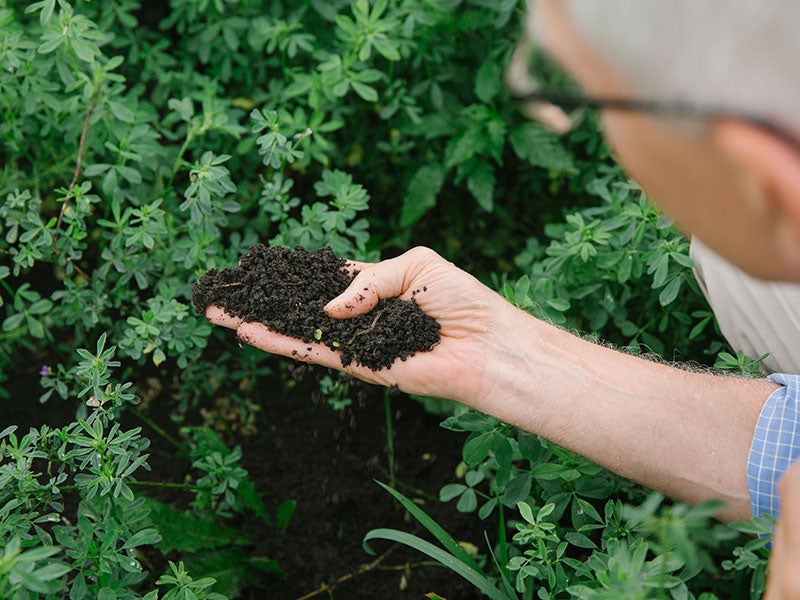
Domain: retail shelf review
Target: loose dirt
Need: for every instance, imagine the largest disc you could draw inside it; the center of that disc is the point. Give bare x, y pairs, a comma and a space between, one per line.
286, 289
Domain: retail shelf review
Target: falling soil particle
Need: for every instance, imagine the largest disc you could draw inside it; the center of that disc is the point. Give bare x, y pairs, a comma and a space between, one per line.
287, 289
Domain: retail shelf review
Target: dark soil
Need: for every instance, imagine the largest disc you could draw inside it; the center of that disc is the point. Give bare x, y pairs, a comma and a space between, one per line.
328, 462
287, 289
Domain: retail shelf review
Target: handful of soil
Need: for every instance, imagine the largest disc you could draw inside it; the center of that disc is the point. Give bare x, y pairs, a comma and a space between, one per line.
287, 289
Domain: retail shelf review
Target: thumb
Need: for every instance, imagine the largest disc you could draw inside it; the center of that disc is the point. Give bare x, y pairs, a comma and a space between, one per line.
360, 297
386, 279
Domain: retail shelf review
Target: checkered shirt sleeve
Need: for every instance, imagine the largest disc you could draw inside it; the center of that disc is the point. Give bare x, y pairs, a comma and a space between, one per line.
776, 444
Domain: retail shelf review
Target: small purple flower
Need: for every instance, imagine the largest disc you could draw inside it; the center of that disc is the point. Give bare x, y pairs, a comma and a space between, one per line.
300, 136
44, 371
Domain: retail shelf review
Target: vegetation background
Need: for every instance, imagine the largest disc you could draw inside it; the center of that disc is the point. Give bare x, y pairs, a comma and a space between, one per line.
143, 143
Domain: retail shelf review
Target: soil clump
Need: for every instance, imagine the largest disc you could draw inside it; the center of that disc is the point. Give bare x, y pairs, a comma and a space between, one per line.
286, 289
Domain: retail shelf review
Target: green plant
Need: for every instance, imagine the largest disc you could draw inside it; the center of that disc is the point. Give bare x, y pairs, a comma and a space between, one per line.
144, 145
90, 549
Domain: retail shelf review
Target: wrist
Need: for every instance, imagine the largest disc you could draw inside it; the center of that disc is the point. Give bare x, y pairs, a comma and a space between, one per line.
510, 381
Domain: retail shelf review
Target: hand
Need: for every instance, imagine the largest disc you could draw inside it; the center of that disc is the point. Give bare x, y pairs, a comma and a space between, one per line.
469, 314
783, 582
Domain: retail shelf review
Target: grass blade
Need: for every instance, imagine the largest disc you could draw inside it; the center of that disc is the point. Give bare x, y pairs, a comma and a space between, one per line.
480, 581
434, 528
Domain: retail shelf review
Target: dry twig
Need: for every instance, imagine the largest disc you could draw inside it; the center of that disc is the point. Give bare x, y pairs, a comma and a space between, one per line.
327, 587
81, 147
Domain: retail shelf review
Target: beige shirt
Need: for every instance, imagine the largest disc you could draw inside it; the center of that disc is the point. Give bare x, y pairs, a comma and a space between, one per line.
756, 316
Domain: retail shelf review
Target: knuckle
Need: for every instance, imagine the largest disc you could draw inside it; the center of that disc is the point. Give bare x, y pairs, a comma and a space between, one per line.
422, 253
244, 336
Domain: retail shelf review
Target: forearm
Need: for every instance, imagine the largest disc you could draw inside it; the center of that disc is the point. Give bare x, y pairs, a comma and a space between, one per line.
687, 434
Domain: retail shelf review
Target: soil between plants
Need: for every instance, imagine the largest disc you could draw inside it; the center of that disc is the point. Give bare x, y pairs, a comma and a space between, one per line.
286, 289
328, 462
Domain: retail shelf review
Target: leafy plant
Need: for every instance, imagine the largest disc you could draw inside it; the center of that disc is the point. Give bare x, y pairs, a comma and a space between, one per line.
144, 145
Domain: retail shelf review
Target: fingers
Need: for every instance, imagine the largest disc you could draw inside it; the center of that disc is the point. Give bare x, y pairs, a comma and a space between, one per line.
354, 265
386, 279
258, 335
217, 315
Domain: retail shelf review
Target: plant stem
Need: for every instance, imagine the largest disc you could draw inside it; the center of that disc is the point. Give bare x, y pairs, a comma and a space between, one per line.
422, 494
501, 535
166, 484
387, 409
156, 484
328, 587
81, 147
157, 428
190, 135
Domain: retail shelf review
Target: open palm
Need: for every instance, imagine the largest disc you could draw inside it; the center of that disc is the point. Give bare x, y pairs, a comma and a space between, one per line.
470, 315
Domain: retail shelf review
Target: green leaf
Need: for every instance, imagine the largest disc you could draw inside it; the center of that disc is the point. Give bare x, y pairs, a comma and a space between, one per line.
106, 593
367, 92
470, 421
188, 532
121, 112
578, 539
386, 49
468, 501
589, 510
661, 271
518, 488
521, 288
33, 583
477, 579
145, 537
450, 491
82, 50
473, 478
35, 328
231, 569
629, 328
526, 512
477, 447
433, 528
463, 147
545, 511
284, 514
670, 291
560, 304
548, 471
13, 322
54, 570
51, 44
487, 508
488, 80
79, 589
542, 149
422, 191
480, 183
46, 6
40, 307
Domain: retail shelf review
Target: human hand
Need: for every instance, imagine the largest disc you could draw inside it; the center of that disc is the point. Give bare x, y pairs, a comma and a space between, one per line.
469, 313
783, 582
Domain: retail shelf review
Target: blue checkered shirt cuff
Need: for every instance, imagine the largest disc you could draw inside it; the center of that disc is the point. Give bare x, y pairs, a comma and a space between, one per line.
776, 444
